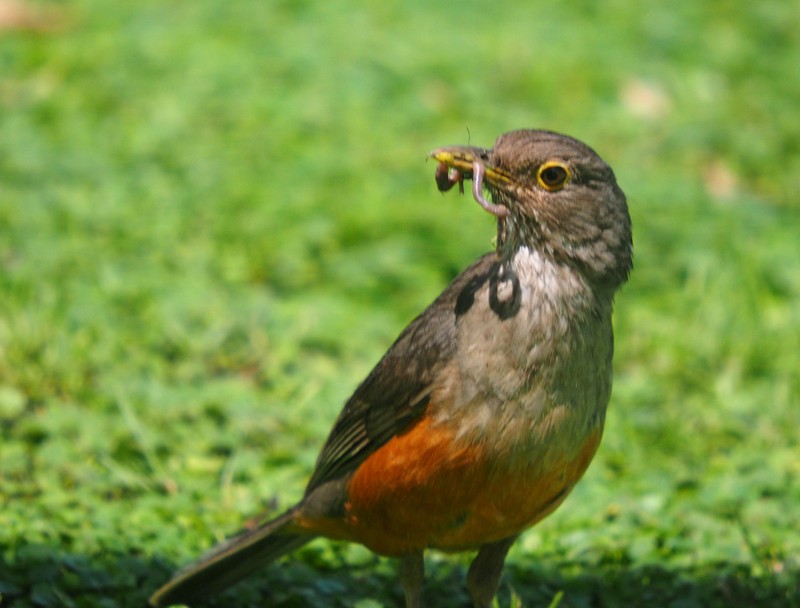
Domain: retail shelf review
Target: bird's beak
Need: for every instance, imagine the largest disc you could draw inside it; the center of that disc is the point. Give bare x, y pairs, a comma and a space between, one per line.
463, 159
458, 163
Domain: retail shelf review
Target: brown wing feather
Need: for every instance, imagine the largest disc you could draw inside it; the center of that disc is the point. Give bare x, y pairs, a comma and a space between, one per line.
397, 391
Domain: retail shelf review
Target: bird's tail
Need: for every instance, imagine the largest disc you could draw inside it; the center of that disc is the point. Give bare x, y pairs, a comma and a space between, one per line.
231, 561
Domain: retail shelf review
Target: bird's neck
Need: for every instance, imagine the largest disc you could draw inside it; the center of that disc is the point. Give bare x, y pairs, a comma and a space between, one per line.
508, 239
563, 287
514, 236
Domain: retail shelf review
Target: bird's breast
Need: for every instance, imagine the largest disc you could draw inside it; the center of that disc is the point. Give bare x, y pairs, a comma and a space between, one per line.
513, 420
533, 357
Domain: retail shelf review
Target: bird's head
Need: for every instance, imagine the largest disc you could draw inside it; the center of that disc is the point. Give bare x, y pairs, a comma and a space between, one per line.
551, 193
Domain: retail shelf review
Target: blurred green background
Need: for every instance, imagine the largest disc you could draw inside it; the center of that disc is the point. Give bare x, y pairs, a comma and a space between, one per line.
216, 215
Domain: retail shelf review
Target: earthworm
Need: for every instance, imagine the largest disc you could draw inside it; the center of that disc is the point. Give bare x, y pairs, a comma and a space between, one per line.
477, 191
447, 177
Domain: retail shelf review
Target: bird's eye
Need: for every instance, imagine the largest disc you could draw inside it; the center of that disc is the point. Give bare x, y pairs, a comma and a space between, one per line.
553, 175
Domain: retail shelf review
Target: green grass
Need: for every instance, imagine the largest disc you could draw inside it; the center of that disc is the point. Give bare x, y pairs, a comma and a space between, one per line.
216, 215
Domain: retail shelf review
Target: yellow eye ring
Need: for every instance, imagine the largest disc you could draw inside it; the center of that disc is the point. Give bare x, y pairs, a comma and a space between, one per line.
553, 175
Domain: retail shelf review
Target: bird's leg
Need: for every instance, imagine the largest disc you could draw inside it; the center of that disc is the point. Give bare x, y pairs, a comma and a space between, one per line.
477, 191
484, 573
412, 574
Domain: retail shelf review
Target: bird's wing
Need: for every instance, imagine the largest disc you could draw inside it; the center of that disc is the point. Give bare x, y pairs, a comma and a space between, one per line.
398, 390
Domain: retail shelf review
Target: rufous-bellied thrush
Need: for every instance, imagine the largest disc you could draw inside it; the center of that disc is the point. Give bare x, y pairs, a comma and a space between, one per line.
488, 408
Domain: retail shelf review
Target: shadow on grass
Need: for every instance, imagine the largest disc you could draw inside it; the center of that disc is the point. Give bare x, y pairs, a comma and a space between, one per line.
40, 576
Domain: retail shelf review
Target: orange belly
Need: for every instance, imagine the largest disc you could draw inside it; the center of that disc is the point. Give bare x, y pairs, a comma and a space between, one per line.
424, 489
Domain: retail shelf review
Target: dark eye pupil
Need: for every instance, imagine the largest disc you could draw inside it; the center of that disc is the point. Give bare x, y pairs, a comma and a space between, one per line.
553, 175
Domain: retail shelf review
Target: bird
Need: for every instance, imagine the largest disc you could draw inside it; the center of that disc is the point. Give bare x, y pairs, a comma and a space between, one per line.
488, 408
